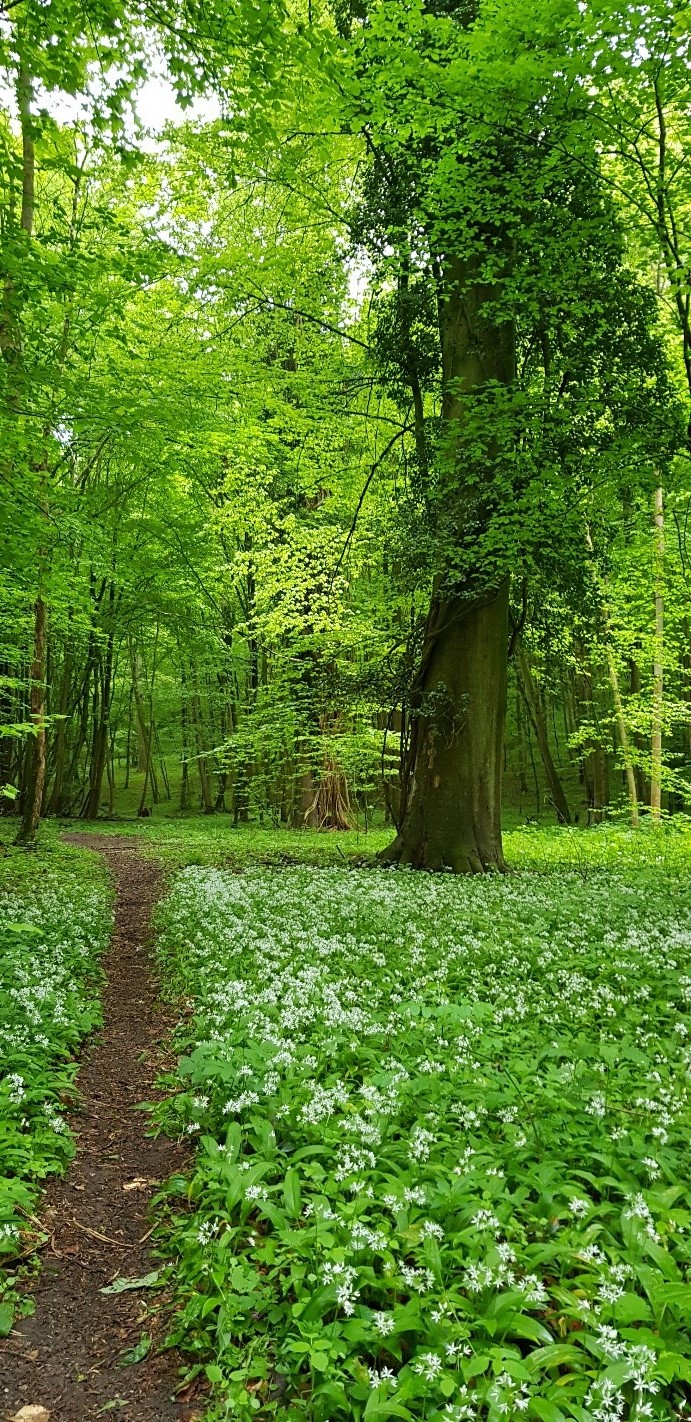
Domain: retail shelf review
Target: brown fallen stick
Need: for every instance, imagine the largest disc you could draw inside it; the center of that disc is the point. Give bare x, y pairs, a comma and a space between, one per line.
103, 1237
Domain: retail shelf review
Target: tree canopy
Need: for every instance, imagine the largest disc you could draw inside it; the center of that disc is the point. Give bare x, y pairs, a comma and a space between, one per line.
345, 429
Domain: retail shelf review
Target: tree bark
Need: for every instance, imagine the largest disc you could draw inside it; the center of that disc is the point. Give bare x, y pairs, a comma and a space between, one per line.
452, 801
452, 814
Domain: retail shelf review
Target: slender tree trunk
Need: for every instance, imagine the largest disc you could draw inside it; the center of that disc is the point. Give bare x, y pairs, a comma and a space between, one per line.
139, 707
111, 776
149, 773
37, 748
162, 762
623, 736
71, 792
144, 731
616, 691
128, 750
184, 743
56, 802
451, 804
101, 740
521, 750
37, 698
642, 781
594, 761
658, 656
8, 744
202, 763
534, 707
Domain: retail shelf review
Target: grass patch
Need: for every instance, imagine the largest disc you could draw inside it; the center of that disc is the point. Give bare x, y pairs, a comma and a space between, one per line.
443, 1135
214, 840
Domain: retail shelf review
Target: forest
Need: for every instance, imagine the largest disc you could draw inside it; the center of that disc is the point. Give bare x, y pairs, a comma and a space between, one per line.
345, 485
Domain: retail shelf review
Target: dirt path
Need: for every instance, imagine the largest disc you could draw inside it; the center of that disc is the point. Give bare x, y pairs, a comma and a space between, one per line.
67, 1358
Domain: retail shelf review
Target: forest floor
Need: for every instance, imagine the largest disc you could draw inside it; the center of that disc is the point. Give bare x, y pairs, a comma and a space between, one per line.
434, 1156
70, 1357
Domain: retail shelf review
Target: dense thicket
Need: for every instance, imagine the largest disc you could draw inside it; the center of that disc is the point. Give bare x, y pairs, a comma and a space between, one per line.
345, 434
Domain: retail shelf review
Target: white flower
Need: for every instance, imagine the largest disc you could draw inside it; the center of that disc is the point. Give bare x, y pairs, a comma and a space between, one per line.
431, 1230
384, 1323
597, 1105
579, 1206
484, 1219
428, 1365
382, 1378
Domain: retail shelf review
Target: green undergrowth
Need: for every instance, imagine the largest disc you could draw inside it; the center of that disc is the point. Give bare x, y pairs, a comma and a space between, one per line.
214, 840
55, 920
197, 839
442, 1127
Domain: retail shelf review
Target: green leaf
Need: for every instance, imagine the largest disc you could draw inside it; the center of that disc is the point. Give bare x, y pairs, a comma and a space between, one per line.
292, 1193
544, 1409
136, 1354
554, 1355
6, 1319
121, 1286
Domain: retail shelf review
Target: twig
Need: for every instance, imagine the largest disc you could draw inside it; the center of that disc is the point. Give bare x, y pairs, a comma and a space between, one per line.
103, 1237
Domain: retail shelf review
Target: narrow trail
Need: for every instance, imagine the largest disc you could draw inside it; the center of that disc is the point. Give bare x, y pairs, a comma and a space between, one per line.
68, 1357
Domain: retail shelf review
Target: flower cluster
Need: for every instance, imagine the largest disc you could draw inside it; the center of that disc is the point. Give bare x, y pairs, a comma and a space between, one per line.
432, 1109
54, 924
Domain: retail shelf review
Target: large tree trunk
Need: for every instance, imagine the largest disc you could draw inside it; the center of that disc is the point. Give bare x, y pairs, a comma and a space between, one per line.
452, 785
452, 793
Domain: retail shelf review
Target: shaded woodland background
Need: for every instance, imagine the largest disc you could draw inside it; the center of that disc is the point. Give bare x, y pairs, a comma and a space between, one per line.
232, 471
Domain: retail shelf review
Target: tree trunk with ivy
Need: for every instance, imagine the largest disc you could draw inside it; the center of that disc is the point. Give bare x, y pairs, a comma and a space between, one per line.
452, 781
451, 801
